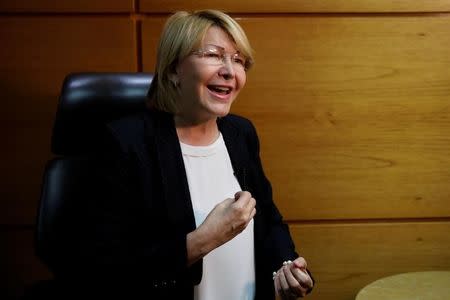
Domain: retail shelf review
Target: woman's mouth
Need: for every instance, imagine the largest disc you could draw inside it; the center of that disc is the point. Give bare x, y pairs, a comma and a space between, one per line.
221, 90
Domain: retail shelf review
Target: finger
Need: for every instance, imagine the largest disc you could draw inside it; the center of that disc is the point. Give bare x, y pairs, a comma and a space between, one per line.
245, 205
276, 282
241, 194
250, 218
303, 278
300, 262
284, 285
252, 214
294, 285
278, 287
227, 202
250, 205
243, 197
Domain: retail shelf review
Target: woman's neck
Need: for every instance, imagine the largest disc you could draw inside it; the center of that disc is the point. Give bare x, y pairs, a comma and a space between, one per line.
201, 134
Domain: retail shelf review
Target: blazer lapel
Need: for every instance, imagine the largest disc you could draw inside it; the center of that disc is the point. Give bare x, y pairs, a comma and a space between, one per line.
234, 143
240, 159
173, 174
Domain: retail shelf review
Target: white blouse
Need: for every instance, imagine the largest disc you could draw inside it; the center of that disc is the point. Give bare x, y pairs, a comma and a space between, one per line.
229, 270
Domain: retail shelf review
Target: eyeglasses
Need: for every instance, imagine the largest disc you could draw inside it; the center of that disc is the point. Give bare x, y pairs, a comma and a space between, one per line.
216, 56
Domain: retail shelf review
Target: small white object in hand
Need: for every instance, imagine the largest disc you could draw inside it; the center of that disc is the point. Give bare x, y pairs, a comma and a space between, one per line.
285, 263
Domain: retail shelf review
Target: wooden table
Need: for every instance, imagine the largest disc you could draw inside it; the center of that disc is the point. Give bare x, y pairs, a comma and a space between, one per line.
432, 285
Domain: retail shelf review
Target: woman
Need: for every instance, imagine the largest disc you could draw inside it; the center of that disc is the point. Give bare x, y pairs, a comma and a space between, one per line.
187, 212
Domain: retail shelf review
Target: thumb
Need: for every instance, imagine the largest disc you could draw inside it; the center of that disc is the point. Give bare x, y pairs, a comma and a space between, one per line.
239, 194
299, 265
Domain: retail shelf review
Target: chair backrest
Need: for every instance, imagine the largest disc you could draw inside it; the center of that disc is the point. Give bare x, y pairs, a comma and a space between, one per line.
87, 101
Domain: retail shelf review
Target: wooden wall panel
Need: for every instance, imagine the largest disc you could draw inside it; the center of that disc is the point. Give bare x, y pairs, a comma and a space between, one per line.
293, 6
151, 31
353, 114
362, 105
41, 51
351, 109
44, 6
346, 257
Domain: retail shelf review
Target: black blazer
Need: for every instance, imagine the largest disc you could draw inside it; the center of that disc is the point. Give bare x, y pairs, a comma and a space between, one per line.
133, 237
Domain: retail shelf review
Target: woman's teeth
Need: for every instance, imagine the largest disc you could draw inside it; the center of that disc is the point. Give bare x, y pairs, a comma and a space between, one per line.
220, 89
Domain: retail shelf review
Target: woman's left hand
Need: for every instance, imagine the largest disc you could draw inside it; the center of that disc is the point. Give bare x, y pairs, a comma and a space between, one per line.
292, 280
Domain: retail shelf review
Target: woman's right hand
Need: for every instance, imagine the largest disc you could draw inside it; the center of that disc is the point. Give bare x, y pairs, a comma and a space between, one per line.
228, 218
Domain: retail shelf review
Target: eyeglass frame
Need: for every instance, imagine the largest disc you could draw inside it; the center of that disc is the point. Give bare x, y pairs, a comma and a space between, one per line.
222, 55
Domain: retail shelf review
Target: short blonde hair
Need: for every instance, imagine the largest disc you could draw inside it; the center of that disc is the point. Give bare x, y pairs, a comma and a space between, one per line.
182, 34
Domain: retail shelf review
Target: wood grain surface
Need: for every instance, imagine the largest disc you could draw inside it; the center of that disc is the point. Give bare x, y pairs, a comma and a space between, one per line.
352, 112
346, 257
350, 100
41, 51
66, 6
295, 6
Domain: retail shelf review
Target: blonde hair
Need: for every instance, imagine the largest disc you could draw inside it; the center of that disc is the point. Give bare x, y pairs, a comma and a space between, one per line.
182, 34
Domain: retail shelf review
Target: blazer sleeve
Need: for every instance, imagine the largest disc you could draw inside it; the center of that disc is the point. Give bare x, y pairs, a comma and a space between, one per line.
119, 237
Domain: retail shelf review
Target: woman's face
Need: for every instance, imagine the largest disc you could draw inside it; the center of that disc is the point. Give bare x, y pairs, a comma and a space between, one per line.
207, 84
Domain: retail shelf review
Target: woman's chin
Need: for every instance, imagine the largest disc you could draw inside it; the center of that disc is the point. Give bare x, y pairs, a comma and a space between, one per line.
222, 113
220, 110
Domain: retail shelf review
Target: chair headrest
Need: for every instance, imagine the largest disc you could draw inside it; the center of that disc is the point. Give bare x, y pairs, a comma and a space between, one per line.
89, 100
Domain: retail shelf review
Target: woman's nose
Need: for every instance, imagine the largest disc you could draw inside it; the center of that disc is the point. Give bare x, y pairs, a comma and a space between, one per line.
227, 70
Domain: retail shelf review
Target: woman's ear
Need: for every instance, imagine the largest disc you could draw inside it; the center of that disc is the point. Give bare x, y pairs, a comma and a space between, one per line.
173, 77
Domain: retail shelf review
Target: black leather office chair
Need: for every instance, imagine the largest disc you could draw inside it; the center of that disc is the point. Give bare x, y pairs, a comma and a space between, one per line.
87, 101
